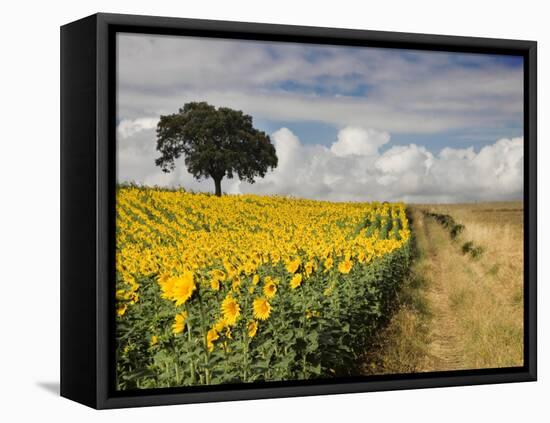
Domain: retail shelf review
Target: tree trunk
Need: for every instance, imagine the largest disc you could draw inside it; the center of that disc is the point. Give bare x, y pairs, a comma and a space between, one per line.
218, 183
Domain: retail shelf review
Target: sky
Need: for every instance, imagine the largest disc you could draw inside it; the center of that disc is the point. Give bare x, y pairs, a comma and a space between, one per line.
348, 123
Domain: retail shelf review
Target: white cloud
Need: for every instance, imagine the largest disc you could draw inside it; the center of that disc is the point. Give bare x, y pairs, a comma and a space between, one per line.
409, 173
400, 160
354, 140
128, 127
404, 172
457, 153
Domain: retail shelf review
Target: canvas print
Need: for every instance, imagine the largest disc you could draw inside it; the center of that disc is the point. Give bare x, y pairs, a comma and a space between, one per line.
294, 212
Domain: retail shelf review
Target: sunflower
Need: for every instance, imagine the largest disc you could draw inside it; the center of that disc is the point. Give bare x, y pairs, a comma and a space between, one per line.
236, 284
270, 289
211, 336
249, 268
296, 281
215, 284
220, 324
230, 269
166, 282
256, 279
121, 310
133, 297
262, 309
120, 295
252, 328
275, 256
217, 274
179, 323
293, 265
309, 268
154, 341
228, 333
231, 310
183, 288
345, 266
328, 263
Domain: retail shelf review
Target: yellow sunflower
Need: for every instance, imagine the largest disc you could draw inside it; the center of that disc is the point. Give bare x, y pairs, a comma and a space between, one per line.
309, 268
328, 263
296, 281
249, 268
183, 288
252, 328
270, 289
293, 265
231, 310
133, 297
217, 274
262, 309
121, 310
220, 324
211, 336
345, 266
166, 283
179, 323
215, 284
120, 295
236, 283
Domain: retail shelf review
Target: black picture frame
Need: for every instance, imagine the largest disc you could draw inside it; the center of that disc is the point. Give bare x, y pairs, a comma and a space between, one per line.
88, 121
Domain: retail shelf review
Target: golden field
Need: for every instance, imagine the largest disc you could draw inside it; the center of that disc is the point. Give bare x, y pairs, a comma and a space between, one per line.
246, 288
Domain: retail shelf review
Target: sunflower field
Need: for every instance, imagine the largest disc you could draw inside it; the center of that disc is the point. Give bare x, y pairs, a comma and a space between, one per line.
248, 288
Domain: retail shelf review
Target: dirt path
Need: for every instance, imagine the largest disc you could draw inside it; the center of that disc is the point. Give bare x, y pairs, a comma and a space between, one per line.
453, 312
441, 264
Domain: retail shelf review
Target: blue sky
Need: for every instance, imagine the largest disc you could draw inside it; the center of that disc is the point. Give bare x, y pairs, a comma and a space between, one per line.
373, 108
318, 132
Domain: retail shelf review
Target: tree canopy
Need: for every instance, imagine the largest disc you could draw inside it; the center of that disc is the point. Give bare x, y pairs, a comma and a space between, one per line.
216, 143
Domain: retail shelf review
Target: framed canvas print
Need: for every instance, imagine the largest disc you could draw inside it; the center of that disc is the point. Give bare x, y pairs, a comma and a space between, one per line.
256, 211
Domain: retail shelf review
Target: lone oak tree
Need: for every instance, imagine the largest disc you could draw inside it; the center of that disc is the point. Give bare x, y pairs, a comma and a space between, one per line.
215, 142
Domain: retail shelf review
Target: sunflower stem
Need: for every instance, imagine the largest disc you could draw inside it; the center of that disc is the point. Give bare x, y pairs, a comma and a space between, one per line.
189, 344
245, 344
204, 337
304, 310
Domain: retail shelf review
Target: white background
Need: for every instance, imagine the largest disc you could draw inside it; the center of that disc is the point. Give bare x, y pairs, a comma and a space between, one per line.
29, 235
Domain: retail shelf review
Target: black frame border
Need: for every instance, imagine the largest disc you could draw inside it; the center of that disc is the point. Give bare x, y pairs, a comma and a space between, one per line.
100, 372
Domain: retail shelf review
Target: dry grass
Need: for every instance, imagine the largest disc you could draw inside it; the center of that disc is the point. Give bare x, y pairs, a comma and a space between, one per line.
457, 312
491, 310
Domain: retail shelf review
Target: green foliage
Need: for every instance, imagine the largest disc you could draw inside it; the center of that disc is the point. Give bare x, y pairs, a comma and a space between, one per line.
216, 143
448, 222
476, 252
312, 333
467, 247
455, 229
